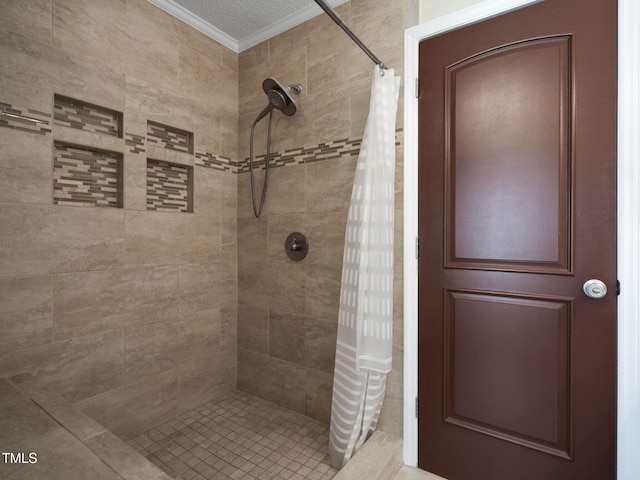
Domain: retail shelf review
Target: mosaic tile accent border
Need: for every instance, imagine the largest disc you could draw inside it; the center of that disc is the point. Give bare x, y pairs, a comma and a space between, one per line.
73, 113
86, 177
169, 186
24, 119
297, 156
216, 162
135, 143
169, 137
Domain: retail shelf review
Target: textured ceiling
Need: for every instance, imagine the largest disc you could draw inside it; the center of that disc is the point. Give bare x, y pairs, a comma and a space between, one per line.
240, 24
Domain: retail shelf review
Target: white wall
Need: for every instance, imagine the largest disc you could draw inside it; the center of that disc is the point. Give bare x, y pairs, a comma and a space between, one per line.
430, 9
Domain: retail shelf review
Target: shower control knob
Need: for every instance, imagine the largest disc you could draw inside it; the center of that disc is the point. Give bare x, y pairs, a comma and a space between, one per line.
594, 288
296, 246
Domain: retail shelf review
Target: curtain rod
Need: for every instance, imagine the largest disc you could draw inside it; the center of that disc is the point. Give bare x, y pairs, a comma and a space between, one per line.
336, 18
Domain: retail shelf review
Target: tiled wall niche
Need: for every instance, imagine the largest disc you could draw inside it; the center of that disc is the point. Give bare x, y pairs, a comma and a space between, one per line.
87, 177
169, 137
169, 186
81, 115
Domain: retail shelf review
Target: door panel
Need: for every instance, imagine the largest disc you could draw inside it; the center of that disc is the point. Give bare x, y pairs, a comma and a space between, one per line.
508, 144
497, 367
517, 209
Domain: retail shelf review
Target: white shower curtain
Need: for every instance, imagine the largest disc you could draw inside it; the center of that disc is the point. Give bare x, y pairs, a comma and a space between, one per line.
364, 344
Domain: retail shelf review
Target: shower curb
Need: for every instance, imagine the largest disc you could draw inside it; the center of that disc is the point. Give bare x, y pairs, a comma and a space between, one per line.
380, 458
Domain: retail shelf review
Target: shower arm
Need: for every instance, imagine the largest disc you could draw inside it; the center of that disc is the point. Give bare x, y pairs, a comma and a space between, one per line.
336, 18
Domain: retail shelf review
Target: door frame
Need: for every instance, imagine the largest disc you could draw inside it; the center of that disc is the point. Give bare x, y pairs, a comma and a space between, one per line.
628, 434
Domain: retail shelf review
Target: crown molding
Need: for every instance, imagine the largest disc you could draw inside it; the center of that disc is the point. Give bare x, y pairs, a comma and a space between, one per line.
239, 45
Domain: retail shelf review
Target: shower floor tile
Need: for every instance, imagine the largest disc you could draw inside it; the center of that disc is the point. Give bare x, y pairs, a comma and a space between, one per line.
241, 437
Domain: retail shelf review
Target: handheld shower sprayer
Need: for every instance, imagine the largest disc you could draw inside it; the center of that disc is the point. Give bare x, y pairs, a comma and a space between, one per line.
280, 99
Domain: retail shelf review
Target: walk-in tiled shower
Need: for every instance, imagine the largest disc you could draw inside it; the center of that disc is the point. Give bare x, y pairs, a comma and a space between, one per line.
135, 282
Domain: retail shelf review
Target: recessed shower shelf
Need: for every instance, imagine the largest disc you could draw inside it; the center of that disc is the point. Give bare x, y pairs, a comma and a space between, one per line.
86, 176
169, 186
81, 115
168, 137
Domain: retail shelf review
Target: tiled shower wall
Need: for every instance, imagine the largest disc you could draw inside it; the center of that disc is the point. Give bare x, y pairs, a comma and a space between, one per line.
136, 315
127, 312
287, 311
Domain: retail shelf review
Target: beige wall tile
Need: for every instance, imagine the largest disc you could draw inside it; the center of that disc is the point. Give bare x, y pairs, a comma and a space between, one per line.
326, 234
279, 286
37, 240
148, 403
33, 72
253, 56
322, 117
24, 80
329, 184
319, 386
160, 238
253, 329
30, 18
211, 83
320, 343
152, 101
215, 192
26, 168
228, 133
135, 181
159, 346
203, 286
229, 58
323, 290
252, 240
229, 241
382, 29
272, 379
334, 59
229, 345
26, 316
91, 302
134, 408
285, 193
287, 337
245, 205
76, 369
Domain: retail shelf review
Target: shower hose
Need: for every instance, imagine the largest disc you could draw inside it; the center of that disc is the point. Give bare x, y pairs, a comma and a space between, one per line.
257, 209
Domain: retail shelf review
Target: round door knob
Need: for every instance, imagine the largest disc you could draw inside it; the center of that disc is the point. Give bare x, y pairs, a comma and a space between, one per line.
594, 288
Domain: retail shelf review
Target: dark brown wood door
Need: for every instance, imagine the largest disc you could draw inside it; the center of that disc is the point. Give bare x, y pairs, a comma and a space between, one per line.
517, 210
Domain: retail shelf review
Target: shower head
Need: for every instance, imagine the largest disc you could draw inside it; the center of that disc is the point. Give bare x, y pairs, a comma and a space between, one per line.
279, 96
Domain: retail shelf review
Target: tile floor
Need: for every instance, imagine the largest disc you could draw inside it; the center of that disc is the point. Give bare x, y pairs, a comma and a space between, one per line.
241, 437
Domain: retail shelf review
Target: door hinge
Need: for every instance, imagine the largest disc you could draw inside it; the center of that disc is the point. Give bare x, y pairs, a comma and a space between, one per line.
617, 287
417, 88
417, 247
417, 407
